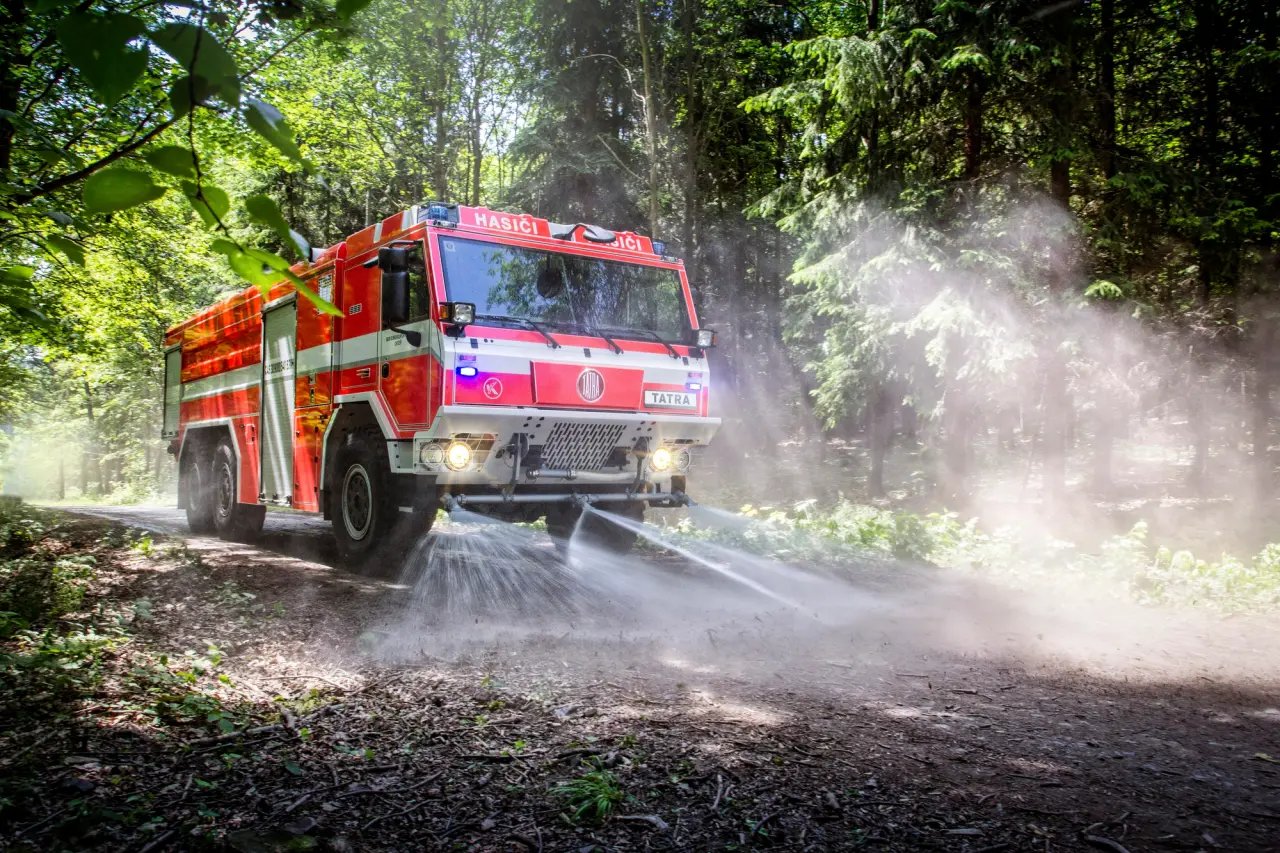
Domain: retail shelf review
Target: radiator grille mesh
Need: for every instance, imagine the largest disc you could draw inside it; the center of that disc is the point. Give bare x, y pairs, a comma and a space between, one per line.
582, 447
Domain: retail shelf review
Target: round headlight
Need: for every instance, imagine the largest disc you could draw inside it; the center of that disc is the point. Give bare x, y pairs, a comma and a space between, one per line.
660, 459
683, 459
458, 455
432, 454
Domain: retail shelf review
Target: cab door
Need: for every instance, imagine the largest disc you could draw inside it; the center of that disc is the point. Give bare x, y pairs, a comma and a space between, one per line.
408, 373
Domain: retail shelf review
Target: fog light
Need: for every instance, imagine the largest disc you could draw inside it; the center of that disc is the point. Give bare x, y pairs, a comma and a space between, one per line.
683, 459
459, 456
431, 454
660, 459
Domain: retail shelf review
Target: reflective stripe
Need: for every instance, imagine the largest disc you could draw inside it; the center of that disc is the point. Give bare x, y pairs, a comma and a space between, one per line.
223, 383
315, 358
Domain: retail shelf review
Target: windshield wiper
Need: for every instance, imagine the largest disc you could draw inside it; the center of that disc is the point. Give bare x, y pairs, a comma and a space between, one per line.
594, 331
521, 321
647, 334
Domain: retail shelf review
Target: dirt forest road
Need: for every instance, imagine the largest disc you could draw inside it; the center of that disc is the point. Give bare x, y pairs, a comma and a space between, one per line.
898, 711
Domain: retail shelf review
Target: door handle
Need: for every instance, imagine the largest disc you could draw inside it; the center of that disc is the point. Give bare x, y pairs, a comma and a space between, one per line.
386, 369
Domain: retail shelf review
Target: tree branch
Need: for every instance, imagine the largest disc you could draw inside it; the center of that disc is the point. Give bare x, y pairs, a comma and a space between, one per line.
80, 174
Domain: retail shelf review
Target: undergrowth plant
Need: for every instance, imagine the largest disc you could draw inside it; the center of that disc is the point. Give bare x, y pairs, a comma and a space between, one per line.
593, 796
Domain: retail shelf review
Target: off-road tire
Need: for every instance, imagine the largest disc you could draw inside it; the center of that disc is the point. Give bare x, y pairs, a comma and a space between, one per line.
371, 532
199, 494
562, 522
234, 521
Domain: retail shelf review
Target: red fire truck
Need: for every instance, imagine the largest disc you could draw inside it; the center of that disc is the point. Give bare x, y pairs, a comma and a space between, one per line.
506, 364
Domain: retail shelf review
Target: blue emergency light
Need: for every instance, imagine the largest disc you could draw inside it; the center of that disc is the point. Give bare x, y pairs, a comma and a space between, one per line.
659, 247
467, 371
441, 212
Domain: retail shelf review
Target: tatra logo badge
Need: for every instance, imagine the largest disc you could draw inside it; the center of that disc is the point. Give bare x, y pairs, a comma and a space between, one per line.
590, 385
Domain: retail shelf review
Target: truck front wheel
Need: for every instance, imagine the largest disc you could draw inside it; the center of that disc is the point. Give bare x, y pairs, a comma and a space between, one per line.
372, 533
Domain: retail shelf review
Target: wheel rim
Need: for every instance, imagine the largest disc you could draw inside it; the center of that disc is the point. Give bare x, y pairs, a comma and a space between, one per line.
357, 502
226, 490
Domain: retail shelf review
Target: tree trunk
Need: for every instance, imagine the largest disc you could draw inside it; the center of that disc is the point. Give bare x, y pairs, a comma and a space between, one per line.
1208, 255
1053, 432
1057, 402
1201, 430
1260, 405
440, 159
973, 128
650, 112
1107, 89
955, 449
11, 43
879, 435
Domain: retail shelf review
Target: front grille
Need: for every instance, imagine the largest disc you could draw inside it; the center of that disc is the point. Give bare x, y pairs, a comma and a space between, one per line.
582, 447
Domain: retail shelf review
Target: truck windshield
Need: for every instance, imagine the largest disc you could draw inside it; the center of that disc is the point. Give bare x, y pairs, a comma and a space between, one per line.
560, 289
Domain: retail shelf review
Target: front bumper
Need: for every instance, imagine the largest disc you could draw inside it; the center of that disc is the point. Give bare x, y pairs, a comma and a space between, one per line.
494, 428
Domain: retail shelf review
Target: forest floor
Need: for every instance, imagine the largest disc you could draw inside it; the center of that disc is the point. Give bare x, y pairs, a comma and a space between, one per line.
255, 698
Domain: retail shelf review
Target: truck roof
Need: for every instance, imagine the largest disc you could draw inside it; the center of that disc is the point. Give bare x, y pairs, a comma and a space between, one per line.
480, 221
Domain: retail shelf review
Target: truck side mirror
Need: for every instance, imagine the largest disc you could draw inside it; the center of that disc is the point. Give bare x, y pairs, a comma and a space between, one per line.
394, 263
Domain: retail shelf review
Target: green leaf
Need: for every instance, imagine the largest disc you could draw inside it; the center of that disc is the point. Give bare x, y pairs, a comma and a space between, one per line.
118, 189
209, 201
15, 284
24, 308
174, 160
98, 47
252, 270
322, 304
19, 274
263, 209
196, 50
267, 122
294, 768
347, 8
68, 247
224, 247
187, 93
264, 269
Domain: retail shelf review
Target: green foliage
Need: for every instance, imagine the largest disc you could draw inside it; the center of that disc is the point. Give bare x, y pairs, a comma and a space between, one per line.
1124, 566
592, 796
37, 587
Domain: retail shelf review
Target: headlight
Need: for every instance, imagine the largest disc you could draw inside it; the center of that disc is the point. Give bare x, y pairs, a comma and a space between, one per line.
431, 454
458, 313
683, 459
660, 460
458, 456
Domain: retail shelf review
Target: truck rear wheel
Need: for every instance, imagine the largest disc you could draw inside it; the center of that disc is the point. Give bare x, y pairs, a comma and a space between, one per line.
233, 520
372, 533
562, 522
199, 495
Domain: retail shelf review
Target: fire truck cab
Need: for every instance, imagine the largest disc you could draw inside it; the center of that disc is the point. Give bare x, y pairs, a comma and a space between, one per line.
496, 362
